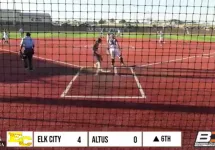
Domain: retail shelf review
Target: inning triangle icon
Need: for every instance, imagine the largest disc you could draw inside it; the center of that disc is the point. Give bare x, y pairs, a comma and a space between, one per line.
156, 139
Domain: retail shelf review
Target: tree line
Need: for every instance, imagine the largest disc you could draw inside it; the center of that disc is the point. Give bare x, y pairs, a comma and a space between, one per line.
123, 21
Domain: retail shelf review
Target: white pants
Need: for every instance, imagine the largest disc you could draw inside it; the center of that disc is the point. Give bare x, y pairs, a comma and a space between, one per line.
161, 40
5, 38
114, 53
188, 32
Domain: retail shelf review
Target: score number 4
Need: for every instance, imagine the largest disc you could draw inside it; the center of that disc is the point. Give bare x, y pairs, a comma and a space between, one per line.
79, 139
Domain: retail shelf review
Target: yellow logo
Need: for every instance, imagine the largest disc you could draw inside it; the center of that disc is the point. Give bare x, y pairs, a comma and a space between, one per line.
20, 138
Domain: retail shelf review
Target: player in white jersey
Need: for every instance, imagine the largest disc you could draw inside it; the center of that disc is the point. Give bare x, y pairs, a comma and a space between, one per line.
102, 33
187, 30
161, 40
21, 31
114, 49
119, 33
5, 37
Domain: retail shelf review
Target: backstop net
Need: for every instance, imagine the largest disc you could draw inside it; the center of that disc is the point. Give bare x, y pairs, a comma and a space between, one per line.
111, 65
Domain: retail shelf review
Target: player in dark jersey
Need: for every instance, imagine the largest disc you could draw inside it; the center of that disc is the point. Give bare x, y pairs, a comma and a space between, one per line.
96, 54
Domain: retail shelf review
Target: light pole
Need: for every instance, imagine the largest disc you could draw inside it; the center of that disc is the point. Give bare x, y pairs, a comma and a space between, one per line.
14, 13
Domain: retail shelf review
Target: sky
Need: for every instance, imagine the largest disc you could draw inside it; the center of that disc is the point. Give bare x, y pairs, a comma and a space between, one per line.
131, 10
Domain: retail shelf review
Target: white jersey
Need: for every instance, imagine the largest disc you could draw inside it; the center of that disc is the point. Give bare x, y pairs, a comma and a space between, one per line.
5, 35
187, 30
114, 48
21, 30
113, 44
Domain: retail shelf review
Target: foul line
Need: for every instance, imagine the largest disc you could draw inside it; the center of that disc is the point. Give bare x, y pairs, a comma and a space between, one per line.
47, 59
56, 61
207, 56
174, 60
138, 83
70, 83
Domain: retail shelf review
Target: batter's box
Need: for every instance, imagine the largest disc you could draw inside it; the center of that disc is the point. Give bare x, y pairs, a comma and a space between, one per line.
89, 85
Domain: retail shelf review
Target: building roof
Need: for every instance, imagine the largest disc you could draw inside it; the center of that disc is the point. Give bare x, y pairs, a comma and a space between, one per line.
25, 13
10, 10
36, 14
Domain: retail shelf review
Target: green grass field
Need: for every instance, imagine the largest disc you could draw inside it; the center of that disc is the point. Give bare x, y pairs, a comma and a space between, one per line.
200, 38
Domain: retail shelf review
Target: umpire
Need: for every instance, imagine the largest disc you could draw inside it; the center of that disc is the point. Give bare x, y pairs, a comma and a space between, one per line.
28, 45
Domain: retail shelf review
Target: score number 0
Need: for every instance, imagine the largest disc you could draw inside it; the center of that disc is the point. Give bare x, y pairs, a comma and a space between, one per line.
135, 139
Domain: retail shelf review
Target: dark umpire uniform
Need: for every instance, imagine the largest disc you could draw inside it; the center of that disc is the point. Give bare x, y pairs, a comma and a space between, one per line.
28, 53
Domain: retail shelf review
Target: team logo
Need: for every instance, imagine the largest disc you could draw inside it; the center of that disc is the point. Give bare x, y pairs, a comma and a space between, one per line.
205, 139
19, 139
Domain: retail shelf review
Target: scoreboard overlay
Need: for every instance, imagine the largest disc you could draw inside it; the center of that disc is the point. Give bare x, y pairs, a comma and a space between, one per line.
93, 139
